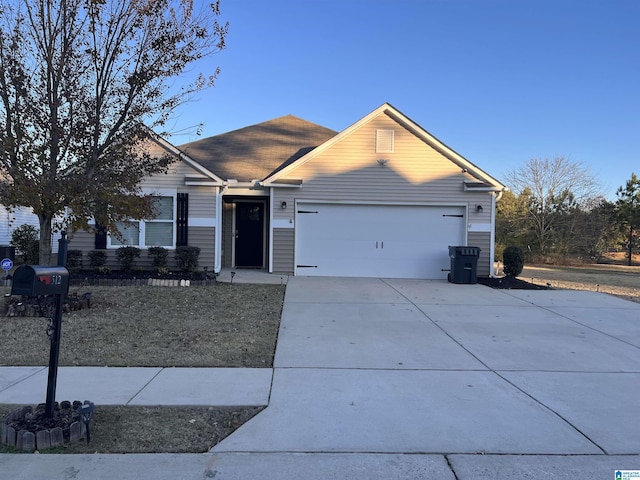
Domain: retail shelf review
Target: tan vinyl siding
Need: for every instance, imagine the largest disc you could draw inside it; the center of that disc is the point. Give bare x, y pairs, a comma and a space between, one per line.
203, 237
414, 173
349, 170
482, 241
283, 239
227, 235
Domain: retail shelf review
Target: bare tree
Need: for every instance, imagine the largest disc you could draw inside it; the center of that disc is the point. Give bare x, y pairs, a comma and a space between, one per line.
555, 187
82, 84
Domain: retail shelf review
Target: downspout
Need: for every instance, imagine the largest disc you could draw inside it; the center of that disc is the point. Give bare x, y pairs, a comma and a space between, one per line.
218, 237
270, 252
492, 251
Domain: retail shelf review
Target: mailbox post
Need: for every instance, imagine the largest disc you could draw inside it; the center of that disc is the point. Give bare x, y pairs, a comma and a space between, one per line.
36, 280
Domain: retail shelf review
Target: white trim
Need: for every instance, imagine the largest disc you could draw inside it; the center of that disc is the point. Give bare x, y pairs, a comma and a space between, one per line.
417, 130
376, 202
272, 224
183, 156
265, 231
202, 222
479, 227
492, 244
201, 182
160, 192
385, 140
283, 223
217, 259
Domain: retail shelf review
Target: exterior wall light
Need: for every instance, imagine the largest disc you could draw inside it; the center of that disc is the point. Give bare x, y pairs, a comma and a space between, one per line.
283, 205
479, 208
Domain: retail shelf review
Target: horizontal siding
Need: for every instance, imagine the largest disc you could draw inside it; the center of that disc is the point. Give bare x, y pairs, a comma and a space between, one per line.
414, 173
227, 235
175, 173
283, 247
349, 171
203, 237
482, 241
202, 201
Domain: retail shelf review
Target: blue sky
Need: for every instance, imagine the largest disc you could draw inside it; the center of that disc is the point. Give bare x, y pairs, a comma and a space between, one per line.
499, 81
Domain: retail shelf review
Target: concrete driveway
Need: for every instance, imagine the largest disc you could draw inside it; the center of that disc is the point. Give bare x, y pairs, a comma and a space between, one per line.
415, 366
403, 379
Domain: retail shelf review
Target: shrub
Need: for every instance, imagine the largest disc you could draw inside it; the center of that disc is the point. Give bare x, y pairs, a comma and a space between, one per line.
97, 259
158, 257
74, 260
26, 240
513, 258
187, 258
127, 256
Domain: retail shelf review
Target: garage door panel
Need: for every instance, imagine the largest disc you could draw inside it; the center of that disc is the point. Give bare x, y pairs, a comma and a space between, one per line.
403, 241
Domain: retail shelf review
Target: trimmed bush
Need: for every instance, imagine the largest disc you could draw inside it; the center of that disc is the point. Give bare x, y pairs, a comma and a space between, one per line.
158, 257
97, 259
74, 260
187, 258
26, 240
127, 257
513, 258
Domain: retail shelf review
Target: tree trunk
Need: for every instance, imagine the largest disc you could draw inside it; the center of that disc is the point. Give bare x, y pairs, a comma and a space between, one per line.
45, 239
630, 244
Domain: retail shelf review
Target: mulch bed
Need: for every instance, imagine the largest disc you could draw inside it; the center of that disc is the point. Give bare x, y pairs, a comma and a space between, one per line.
512, 283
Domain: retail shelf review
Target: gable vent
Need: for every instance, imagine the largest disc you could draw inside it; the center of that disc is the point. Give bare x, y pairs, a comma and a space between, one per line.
384, 141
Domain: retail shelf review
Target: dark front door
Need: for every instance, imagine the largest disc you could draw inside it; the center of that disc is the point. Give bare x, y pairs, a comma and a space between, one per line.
249, 234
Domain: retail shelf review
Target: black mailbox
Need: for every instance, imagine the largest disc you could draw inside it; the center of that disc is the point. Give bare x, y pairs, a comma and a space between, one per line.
34, 280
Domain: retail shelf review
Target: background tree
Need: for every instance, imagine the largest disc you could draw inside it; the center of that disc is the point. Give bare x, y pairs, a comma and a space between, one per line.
597, 231
511, 221
553, 189
82, 83
628, 211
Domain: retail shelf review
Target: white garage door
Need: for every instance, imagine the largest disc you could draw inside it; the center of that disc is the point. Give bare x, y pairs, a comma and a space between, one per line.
392, 241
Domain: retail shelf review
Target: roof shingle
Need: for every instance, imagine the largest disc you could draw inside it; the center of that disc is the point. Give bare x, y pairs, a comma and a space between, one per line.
254, 152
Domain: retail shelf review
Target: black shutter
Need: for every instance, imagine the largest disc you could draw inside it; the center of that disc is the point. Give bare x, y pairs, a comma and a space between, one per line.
101, 238
182, 222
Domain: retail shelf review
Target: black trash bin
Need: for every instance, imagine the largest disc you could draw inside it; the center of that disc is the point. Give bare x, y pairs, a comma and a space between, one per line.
464, 264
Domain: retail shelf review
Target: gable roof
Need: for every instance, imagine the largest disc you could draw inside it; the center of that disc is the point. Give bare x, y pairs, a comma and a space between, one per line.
161, 146
489, 183
255, 152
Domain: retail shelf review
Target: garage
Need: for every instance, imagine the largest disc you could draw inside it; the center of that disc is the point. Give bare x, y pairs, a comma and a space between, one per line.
389, 241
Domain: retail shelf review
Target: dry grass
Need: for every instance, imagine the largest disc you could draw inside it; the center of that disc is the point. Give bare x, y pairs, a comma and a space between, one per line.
120, 429
619, 280
217, 326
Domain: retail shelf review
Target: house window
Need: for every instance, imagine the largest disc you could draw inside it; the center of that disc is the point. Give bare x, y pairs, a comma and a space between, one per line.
384, 141
155, 232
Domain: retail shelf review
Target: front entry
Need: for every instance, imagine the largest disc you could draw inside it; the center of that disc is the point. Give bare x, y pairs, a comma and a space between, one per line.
249, 234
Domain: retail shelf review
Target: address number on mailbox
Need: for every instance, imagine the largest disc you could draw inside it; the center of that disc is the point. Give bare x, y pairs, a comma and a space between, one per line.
34, 280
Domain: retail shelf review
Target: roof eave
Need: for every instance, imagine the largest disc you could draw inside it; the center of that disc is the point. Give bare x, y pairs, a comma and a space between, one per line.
185, 158
451, 154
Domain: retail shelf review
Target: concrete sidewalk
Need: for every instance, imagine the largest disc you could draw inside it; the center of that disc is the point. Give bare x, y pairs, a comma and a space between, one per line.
140, 386
398, 379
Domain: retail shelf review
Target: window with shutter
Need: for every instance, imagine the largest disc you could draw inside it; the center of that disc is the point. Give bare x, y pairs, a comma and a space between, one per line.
182, 222
154, 232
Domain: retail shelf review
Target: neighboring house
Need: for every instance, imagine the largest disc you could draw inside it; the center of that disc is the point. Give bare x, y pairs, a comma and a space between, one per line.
14, 218
383, 198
